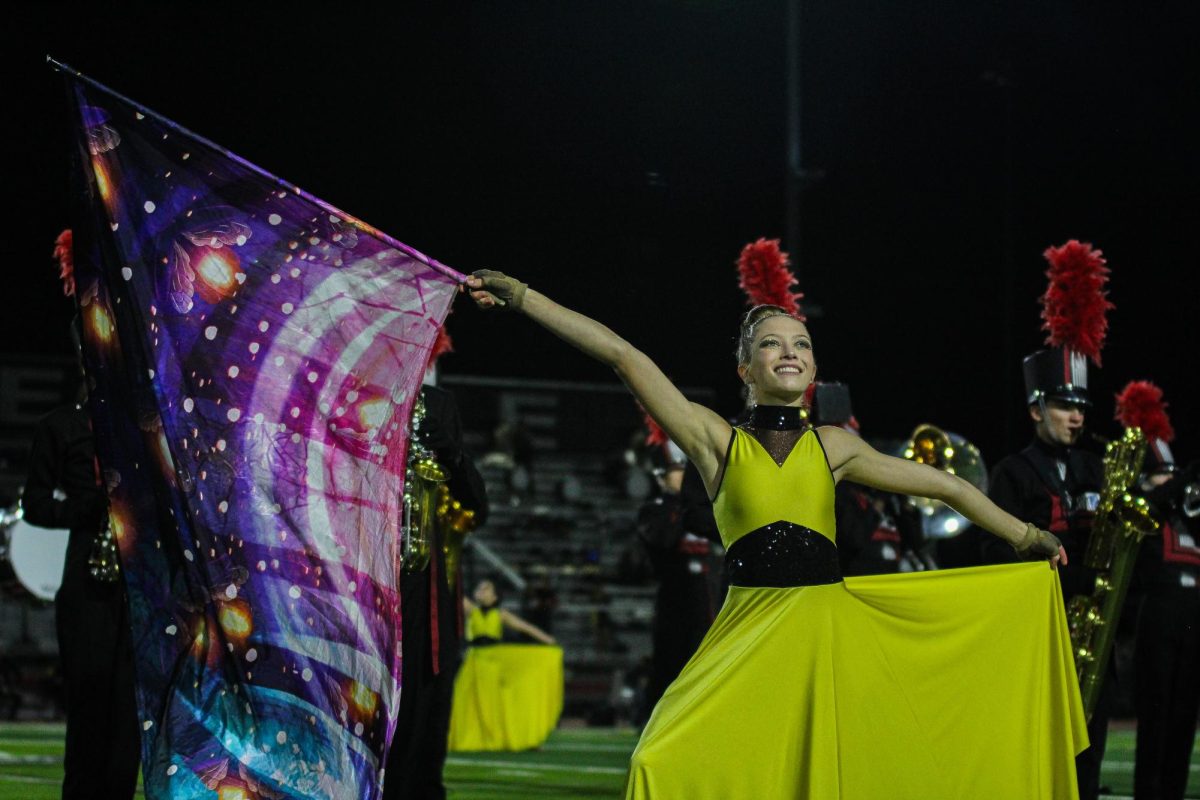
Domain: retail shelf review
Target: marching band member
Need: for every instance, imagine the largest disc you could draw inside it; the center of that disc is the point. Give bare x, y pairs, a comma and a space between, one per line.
430, 615
685, 602
1054, 482
64, 489
1166, 660
877, 534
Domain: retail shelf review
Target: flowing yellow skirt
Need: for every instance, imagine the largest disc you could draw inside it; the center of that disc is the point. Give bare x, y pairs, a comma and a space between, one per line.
948, 685
506, 697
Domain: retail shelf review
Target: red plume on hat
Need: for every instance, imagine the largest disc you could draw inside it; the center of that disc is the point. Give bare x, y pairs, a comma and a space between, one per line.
65, 253
441, 345
1075, 305
764, 275
1140, 405
655, 435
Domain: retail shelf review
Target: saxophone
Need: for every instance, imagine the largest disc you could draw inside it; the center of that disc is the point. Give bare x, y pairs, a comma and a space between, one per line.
423, 478
1122, 520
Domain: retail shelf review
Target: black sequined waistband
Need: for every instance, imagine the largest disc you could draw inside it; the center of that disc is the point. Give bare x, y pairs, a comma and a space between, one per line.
483, 641
783, 554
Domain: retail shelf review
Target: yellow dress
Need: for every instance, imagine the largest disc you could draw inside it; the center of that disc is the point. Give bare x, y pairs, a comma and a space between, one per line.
506, 696
948, 685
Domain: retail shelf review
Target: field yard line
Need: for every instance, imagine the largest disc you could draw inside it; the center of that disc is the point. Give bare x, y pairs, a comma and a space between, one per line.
1127, 766
589, 748
469, 762
9, 759
27, 779
37, 727
599, 733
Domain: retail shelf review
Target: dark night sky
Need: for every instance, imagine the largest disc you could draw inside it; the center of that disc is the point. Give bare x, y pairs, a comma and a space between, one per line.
617, 155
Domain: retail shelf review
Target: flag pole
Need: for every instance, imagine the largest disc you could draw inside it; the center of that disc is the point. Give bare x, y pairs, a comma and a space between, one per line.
369, 230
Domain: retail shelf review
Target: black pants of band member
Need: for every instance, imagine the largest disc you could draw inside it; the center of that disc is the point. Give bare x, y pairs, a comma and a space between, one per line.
1087, 763
418, 754
103, 745
1166, 692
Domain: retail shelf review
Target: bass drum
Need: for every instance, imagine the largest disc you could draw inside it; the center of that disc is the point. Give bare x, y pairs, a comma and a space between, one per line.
31, 558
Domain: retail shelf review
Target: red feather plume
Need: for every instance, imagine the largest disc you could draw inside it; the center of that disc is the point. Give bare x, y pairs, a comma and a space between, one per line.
1140, 405
1075, 305
655, 435
441, 345
65, 253
764, 275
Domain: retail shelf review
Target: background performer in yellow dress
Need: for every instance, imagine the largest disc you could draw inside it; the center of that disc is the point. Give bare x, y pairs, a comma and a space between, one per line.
801, 670
506, 696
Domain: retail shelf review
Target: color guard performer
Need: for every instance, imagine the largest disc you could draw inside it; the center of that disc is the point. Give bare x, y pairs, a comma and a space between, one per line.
508, 696
802, 673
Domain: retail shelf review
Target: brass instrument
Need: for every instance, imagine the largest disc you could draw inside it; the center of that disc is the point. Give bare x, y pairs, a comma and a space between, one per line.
423, 478
455, 523
1122, 520
104, 563
950, 453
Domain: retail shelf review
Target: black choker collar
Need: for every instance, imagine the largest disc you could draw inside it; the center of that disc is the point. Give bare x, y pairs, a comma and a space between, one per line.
778, 418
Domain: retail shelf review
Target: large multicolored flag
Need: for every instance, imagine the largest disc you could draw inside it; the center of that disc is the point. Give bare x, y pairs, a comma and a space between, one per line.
254, 354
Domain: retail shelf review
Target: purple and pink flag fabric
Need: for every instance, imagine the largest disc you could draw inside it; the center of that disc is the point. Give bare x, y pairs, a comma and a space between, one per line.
254, 354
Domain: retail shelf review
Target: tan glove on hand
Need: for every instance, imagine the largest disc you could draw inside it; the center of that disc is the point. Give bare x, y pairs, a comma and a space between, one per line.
508, 292
1037, 543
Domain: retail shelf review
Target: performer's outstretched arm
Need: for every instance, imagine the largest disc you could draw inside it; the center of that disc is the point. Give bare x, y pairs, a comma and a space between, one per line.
511, 620
701, 433
851, 458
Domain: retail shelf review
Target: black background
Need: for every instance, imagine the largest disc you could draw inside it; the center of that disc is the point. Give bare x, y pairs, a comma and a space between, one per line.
617, 156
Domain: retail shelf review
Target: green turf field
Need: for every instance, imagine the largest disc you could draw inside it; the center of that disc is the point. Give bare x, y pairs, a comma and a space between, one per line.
575, 763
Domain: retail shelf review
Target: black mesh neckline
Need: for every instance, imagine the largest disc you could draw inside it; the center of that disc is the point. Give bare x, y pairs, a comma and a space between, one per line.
777, 429
777, 418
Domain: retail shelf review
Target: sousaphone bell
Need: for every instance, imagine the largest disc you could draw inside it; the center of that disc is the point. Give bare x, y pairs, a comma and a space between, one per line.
950, 453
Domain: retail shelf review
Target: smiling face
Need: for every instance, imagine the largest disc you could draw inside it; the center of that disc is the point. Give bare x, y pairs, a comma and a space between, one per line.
781, 364
1062, 424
